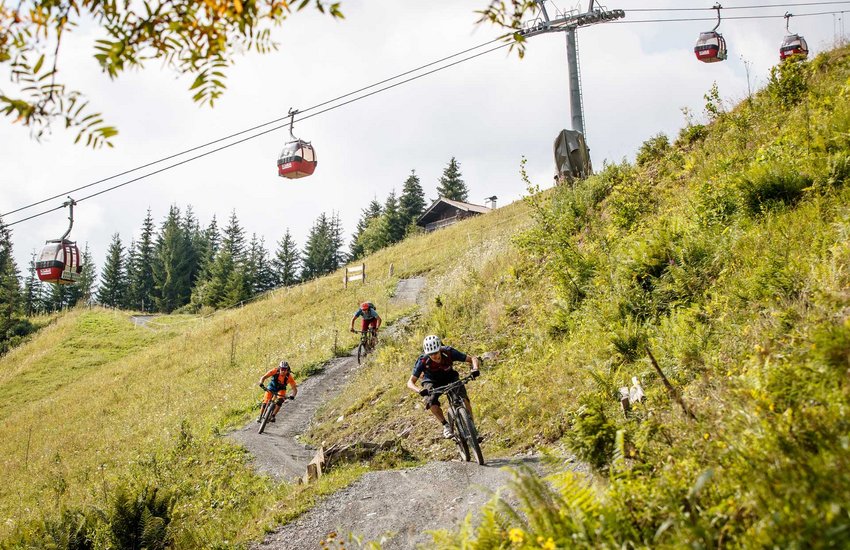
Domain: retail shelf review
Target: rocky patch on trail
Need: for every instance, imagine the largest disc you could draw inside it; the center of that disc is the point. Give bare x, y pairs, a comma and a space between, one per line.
397, 508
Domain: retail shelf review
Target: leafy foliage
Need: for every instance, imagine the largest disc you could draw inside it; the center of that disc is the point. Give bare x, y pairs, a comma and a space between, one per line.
199, 39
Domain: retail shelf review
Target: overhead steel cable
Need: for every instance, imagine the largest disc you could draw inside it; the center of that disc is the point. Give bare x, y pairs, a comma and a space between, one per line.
684, 19
245, 131
264, 132
752, 7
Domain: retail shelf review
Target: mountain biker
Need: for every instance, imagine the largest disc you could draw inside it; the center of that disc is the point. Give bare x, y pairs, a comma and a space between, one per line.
435, 367
281, 377
370, 316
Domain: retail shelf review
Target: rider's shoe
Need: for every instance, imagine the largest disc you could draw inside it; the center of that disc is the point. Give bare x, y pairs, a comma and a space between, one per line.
258, 420
271, 419
447, 432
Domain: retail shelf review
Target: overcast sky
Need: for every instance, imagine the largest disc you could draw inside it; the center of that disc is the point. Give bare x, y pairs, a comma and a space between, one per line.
489, 113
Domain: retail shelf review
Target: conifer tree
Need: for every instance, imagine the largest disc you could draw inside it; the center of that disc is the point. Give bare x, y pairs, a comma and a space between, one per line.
212, 292
83, 290
258, 274
171, 269
113, 278
319, 253
451, 183
233, 239
369, 213
32, 293
336, 235
412, 201
10, 290
286, 261
142, 284
394, 222
209, 245
375, 236
194, 237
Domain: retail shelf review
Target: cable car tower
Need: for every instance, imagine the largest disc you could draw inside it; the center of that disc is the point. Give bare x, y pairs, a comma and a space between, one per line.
568, 23
572, 156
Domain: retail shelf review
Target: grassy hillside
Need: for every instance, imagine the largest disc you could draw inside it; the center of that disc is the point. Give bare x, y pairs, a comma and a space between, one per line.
726, 255
93, 411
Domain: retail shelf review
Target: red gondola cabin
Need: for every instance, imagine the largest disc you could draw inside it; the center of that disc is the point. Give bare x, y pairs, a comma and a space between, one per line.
793, 44
59, 262
711, 47
297, 160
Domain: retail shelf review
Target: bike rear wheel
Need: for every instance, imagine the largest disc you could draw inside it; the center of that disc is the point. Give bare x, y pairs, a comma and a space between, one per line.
264, 418
471, 434
459, 438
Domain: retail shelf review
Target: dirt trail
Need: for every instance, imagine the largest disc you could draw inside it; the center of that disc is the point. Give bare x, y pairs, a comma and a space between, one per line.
277, 452
398, 507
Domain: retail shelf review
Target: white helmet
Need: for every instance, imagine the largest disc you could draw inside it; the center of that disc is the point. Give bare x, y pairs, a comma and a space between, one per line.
431, 344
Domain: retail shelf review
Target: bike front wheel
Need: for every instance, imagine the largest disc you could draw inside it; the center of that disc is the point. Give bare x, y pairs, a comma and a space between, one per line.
266, 414
361, 352
471, 434
460, 440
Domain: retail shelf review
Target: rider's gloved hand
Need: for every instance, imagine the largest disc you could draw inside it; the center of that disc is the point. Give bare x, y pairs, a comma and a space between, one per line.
424, 392
291, 397
475, 373
261, 385
353, 331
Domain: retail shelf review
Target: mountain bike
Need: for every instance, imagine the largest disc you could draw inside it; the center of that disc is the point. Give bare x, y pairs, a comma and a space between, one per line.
464, 433
266, 409
368, 341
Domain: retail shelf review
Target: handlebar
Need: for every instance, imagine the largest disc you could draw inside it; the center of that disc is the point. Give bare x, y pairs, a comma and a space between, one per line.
443, 389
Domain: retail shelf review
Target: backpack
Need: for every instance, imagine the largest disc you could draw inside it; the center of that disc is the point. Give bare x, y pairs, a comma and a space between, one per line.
274, 385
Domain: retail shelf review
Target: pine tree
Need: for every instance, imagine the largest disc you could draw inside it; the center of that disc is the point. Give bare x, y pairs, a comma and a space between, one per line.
212, 292
319, 253
375, 236
142, 284
395, 225
451, 183
32, 293
286, 261
369, 213
208, 248
412, 201
258, 274
113, 278
335, 234
195, 246
10, 290
234, 239
171, 268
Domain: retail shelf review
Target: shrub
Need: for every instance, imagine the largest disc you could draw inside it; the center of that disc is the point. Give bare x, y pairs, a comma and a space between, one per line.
788, 82
768, 186
593, 434
653, 149
691, 134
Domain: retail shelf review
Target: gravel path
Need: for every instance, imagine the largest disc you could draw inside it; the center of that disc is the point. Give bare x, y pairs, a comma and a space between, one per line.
277, 452
398, 507
408, 291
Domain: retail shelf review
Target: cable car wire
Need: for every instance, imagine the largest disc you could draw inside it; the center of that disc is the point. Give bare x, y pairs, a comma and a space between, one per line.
264, 132
241, 132
349, 94
683, 19
753, 7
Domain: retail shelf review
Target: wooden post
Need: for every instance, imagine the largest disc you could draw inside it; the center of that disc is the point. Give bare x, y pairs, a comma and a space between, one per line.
363, 270
673, 391
391, 269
